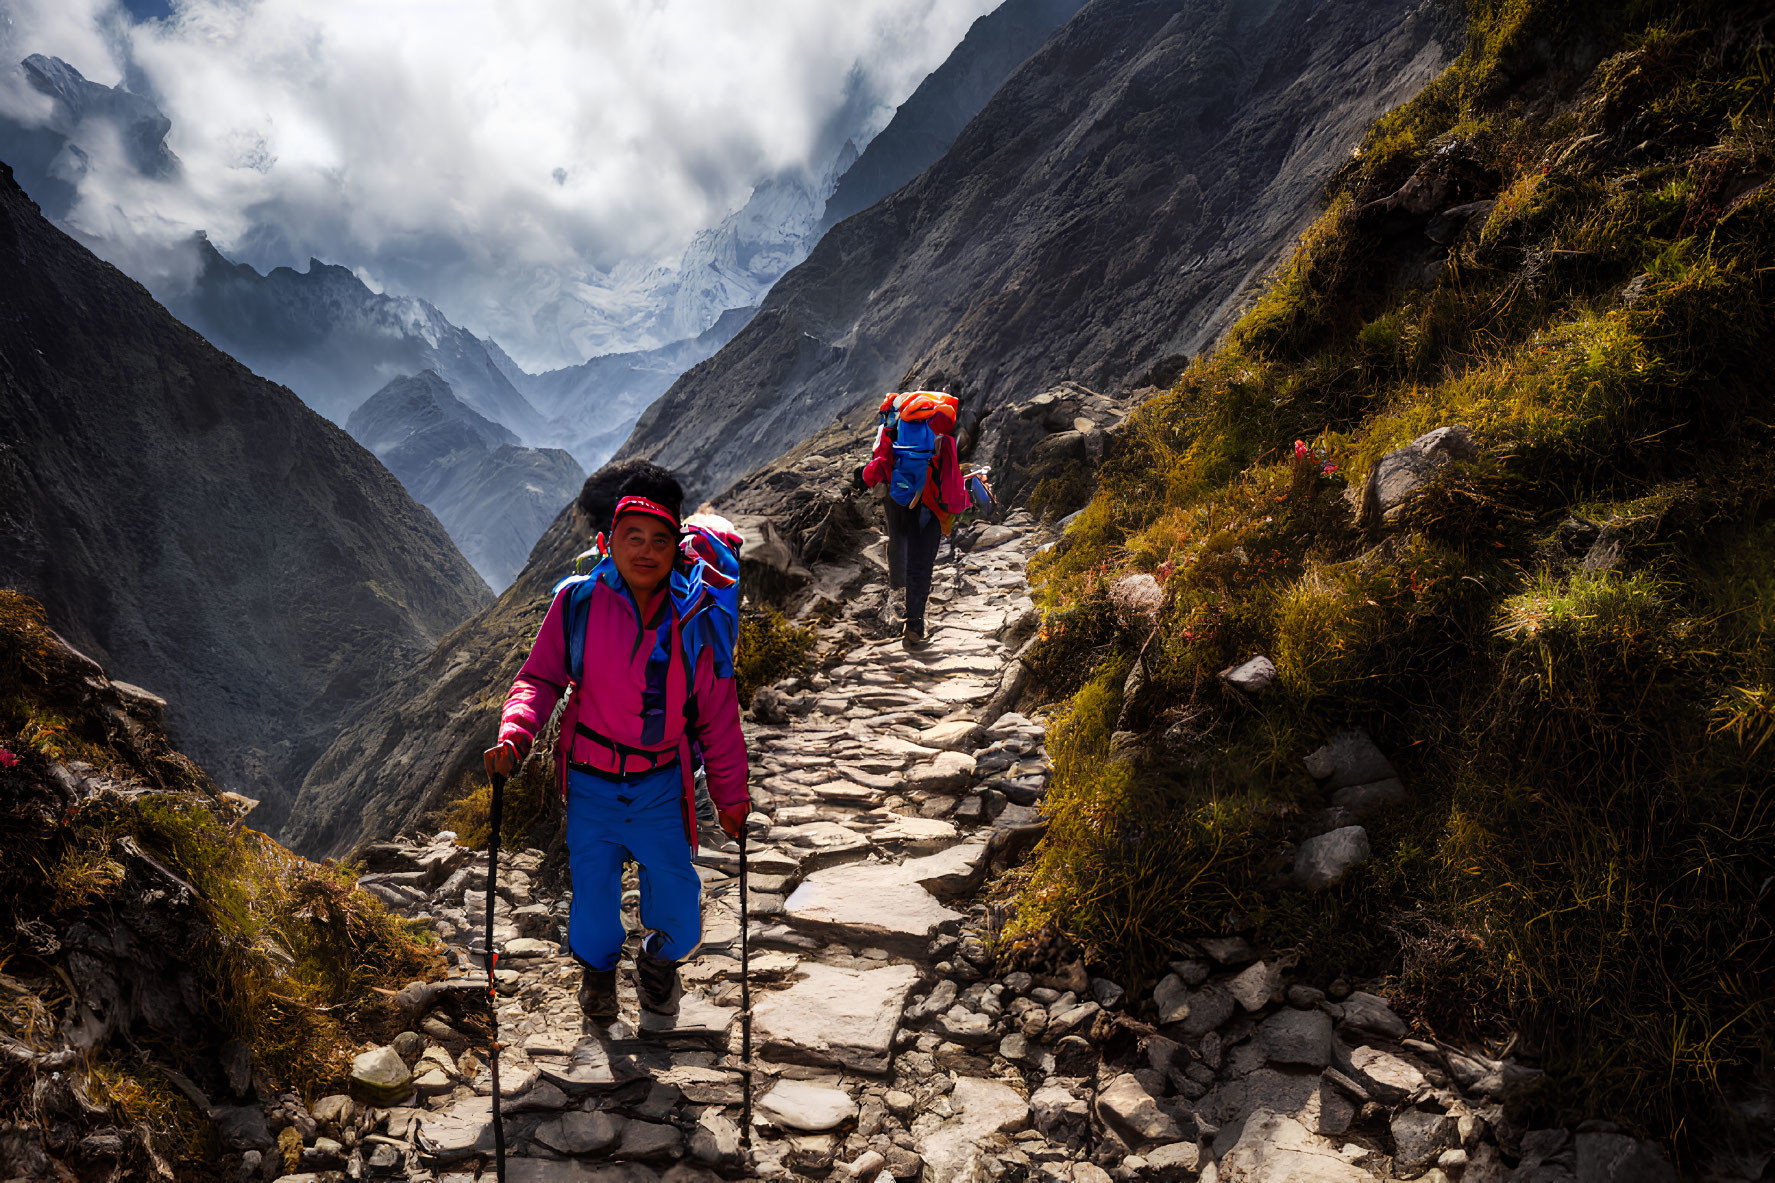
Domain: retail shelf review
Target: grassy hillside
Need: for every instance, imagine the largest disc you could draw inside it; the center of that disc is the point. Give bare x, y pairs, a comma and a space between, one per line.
145, 927
1566, 643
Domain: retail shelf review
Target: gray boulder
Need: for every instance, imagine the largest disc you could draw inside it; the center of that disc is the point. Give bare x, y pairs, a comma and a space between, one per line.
380, 1077
1297, 1037
1402, 475
1323, 861
1134, 1114
1349, 758
1617, 1158
1420, 1136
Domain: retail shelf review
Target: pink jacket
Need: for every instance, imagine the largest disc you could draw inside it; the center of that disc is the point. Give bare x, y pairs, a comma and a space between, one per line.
944, 492
612, 720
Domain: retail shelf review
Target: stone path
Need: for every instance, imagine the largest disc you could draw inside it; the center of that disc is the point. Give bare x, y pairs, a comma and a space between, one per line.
889, 786
880, 801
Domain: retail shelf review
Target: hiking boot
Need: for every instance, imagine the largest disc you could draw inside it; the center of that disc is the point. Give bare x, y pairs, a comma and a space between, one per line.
913, 637
597, 994
656, 979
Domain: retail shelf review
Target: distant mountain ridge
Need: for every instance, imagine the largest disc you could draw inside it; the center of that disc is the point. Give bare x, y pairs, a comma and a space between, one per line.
1101, 215
327, 335
197, 529
595, 404
494, 497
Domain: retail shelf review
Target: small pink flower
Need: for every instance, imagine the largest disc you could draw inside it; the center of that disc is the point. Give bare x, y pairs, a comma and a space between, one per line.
1301, 451
7, 759
1330, 468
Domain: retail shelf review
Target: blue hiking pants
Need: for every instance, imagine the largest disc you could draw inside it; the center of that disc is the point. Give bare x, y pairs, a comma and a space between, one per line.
641, 819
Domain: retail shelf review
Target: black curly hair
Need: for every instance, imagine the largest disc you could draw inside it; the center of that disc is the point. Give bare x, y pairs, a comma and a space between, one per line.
604, 488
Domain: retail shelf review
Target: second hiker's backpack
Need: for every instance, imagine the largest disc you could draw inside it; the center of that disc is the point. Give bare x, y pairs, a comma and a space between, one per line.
979, 492
913, 420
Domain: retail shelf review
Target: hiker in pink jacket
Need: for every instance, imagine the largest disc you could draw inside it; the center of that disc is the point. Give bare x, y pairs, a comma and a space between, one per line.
655, 691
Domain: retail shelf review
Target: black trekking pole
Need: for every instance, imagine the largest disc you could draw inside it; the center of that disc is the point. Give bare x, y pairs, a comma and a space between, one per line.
492, 982
745, 995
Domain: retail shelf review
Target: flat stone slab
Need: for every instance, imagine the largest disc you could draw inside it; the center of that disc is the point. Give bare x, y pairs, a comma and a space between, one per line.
919, 833
836, 1016
586, 1067
461, 1131
957, 735
949, 772
821, 844
963, 690
697, 1018
806, 1106
983, 1108
868, 904
844, 790
949, 873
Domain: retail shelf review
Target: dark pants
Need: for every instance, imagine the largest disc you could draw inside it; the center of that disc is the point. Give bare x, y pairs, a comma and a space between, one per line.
913, 538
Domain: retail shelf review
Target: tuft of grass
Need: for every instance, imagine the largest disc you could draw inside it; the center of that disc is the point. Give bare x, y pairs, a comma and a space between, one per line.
769, 649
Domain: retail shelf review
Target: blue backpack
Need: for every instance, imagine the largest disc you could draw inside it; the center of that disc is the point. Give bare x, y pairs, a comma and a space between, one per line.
915, 443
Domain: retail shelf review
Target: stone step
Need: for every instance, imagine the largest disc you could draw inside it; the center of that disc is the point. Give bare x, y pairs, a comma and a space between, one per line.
869, 904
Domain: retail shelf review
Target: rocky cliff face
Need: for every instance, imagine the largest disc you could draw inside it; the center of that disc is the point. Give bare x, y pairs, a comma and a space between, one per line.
195, 528
328, 337
1102, 214
927, 123
494, 497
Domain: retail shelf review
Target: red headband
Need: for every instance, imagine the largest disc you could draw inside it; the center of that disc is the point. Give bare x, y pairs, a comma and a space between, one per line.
643, 505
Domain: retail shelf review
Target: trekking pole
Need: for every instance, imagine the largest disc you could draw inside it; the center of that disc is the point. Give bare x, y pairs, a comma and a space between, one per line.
492, 956
745, 996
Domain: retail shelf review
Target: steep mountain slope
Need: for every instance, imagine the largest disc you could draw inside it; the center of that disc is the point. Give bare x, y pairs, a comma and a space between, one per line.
416, 422
195, 528
327, 336
1100, 215
493, 496
170, 975
1484, 476
927, 123
417, 745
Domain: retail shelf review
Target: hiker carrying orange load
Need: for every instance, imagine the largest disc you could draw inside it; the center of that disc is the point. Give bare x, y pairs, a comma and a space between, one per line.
915, 455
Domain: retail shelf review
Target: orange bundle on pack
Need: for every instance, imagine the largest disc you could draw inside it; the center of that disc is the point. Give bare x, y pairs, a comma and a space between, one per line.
917, 406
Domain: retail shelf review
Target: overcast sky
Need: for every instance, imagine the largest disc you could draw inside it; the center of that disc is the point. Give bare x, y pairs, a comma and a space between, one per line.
475, 153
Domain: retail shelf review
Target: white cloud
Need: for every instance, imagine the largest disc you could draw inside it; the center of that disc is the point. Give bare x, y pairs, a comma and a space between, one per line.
481, 154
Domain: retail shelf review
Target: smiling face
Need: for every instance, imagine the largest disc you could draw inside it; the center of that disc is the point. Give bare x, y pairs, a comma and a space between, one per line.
644, 548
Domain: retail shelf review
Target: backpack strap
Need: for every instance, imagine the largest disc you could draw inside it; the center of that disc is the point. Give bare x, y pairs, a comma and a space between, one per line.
576, 609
